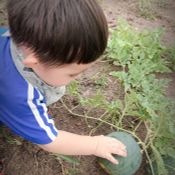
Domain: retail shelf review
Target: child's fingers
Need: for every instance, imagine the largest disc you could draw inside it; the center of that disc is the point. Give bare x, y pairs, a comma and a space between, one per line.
116, 149
120, 152
111, 159
120, 144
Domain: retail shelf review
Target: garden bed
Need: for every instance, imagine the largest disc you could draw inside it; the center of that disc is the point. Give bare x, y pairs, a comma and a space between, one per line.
22, 158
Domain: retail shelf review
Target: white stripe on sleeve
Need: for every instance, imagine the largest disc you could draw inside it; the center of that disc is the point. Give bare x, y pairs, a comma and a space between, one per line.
36, 113
45, 111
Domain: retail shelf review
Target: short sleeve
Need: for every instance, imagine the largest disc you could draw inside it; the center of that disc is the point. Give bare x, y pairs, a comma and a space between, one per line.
28, 117
3, 30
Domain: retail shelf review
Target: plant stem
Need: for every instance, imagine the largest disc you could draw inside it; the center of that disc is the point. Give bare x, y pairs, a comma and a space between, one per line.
124, 110
103, 121
160, 123
138, 126
94, 129
118, 128
150, 161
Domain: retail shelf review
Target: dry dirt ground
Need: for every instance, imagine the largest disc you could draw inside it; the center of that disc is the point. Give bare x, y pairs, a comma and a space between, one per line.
23, 158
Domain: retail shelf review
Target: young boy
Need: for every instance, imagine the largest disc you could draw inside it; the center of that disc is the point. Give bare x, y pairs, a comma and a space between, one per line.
50, 42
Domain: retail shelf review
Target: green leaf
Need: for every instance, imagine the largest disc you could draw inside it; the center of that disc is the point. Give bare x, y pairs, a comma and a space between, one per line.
68, 159
73, 88
121, 75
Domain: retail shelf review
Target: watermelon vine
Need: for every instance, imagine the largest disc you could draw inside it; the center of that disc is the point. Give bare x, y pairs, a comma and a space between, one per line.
142, 60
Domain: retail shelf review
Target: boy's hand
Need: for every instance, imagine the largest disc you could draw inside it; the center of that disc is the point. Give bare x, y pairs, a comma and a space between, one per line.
106, 146
68, 143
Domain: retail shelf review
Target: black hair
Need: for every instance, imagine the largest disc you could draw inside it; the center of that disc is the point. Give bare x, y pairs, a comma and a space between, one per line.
59, 31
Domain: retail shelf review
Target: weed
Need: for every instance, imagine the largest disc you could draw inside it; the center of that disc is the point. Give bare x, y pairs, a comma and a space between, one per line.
141, 56
73, 170
8, 137
146, 9
73, 88
101, 81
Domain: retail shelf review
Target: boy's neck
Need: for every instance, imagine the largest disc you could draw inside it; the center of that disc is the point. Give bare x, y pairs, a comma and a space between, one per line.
31, 77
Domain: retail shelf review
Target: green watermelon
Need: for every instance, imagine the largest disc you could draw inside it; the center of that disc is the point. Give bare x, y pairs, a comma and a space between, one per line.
128, 165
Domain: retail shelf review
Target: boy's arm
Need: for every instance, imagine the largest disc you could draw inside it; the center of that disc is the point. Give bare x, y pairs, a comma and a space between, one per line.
72, 144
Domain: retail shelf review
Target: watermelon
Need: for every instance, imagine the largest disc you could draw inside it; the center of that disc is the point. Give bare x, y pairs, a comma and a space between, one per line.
127, 165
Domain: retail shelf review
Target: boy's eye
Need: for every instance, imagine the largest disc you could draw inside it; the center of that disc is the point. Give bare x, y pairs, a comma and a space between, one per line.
73, 75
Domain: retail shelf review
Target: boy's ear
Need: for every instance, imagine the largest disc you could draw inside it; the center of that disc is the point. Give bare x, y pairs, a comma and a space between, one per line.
30, 61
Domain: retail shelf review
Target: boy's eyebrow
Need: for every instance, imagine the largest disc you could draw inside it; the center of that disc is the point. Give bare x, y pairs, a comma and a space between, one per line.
75, 74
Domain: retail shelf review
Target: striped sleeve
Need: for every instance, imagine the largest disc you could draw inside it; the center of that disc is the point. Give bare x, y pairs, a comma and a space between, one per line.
41, 118
26, 115
22, 106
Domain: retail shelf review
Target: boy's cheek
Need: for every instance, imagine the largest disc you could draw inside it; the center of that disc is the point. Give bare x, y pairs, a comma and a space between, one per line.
63, 82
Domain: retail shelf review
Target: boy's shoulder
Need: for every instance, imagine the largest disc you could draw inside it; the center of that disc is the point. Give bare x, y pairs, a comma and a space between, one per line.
22, 106
13, 87
52, 94
3, 30
19, 75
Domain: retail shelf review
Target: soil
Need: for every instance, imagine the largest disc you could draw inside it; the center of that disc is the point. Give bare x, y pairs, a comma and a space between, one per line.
3, 14
23, 158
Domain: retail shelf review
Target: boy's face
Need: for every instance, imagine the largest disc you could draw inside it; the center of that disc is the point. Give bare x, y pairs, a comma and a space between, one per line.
59, 76
55, 76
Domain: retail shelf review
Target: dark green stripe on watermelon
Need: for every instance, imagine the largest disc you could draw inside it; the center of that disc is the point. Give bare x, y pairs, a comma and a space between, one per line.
128, 165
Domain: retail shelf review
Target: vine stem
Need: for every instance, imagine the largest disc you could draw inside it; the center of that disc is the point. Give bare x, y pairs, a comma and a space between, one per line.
125, 104
156, 131
122, 116
86, 119
150, 161
138, 125
98, 119
148, 133
94, 129
118, 128
103, 121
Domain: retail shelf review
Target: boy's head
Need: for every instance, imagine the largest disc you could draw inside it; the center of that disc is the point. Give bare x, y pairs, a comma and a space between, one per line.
58, 34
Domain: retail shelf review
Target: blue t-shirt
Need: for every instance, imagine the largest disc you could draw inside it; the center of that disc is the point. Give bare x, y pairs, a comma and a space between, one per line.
22, 106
